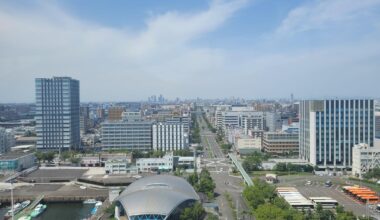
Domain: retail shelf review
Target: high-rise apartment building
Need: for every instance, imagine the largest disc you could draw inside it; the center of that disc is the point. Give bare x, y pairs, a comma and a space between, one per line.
7, 140
57, 113
330, 128
377, 120
84, 119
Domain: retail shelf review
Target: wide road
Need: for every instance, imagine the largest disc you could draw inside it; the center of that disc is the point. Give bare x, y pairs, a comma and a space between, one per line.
219, 166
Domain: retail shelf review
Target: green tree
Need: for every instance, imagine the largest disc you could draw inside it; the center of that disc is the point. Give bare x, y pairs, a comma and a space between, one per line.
75, 160
193, 179
195, 212
49, 156
212, 217
253, 162
206, 184
259, 193
158, 153
268, 211
65, 155
40, 156
281, 167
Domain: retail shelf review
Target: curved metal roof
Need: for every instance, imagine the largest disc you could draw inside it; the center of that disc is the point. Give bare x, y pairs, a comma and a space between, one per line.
158, 194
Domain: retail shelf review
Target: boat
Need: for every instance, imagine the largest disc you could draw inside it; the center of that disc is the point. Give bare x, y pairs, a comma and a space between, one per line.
89, 201
27, 217
40, 208
96, 207
18, 207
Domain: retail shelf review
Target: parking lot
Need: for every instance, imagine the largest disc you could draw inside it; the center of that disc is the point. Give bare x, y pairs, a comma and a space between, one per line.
318, 188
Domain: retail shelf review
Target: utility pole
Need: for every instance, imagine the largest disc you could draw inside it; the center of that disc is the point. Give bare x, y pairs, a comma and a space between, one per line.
12, 208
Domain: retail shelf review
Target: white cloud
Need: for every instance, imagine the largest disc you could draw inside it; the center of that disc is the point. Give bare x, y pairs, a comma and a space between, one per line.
322, 13
120, 64
111, 63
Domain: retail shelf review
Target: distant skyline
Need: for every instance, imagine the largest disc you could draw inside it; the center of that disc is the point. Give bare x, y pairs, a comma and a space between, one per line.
130, 50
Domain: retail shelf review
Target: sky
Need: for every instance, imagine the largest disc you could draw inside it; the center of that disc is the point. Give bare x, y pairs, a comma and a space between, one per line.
126, 50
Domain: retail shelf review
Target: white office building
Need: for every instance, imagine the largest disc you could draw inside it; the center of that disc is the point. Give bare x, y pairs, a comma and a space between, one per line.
185, 120
330, 128
252, 120
169, 136
364, 158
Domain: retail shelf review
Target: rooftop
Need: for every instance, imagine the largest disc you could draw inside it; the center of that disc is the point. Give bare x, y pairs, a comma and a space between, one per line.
13, 155
159, 194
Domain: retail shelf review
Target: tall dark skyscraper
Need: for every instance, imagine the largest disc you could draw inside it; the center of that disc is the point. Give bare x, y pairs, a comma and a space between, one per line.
57, 113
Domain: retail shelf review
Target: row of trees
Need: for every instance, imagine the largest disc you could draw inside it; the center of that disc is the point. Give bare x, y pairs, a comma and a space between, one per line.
50, 155
373, 174
45, 156
289, 167
157, 153
202, 183
226, 147
195, 136
253, 162
264, 204
210, 127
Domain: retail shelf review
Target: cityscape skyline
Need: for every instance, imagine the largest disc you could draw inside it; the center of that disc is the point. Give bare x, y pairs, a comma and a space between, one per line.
190, 110
310, 47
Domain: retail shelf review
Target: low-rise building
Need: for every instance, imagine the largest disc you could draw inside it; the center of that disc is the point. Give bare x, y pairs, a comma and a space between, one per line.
247, 145
186, 162
119, 166
21, 140
364, 158
16, 161
102, 158
280, 143
166, 163
155, 164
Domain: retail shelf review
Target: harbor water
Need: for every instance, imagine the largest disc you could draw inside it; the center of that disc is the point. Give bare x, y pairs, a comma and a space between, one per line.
62, 211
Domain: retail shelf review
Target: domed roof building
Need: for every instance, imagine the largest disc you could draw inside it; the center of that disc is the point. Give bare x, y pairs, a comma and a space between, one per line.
160, 197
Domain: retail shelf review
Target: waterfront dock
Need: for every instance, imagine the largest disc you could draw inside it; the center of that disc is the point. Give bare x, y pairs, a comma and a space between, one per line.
28, 210
53, 193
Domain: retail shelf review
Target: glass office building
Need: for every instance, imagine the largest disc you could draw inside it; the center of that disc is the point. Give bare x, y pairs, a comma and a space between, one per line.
57, 113
330, 128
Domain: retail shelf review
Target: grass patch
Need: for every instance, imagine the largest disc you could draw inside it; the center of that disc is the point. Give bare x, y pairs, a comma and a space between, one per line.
367, 183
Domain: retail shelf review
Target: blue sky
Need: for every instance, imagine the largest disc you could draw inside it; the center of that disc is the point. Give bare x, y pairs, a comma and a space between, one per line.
129, 50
